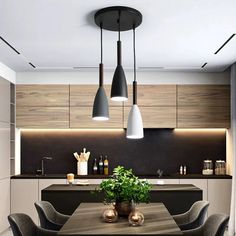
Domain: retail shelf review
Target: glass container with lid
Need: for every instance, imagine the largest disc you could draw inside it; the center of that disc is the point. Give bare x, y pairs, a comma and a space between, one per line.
220, 167
207, 167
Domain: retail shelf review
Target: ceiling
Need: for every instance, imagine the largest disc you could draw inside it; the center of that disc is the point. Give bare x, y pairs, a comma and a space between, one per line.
59, 35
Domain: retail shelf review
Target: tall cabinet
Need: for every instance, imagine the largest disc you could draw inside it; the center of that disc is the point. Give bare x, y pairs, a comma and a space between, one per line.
4, 153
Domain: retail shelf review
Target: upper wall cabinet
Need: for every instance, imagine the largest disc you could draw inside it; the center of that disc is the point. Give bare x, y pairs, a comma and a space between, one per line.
153, 95
81, 117
42, 95
42, 106
157, 104
203, 106
81, 107
155, 117
83, 95
42, 117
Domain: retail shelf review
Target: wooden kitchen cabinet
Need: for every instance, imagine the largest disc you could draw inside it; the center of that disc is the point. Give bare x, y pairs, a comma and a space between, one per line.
203, 106
42, 95
83, 95
203, 117
157, 104
81, 107
203, 95
81, 117
42, 117
153, 95
42, 106
155, 117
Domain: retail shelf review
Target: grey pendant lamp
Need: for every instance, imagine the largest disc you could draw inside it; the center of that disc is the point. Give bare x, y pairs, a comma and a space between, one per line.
135, 122
100, 105
119, 91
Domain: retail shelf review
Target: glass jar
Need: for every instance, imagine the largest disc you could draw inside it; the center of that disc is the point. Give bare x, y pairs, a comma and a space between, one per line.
220, 167
110, 215
207, 167
136, 218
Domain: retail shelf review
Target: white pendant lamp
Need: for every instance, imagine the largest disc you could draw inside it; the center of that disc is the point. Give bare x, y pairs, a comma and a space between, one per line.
135, 122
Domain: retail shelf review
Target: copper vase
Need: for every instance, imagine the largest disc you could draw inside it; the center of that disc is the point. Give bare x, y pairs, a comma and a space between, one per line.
123, 208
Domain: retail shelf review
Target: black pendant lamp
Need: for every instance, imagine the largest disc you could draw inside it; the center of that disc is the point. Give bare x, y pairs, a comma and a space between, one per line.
118, 18
100, 105
119, 91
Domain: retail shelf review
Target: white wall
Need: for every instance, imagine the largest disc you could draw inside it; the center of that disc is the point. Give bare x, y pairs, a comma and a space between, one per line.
91, 77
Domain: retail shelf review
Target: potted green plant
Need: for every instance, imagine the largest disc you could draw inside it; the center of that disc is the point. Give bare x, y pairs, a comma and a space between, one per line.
123, 189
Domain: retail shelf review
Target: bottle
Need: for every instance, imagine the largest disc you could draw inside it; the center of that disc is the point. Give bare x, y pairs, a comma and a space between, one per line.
181, 170
100, 166
185, 170
95, 167
106, 166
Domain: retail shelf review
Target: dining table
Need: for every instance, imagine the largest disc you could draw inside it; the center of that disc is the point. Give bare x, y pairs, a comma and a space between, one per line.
87, 220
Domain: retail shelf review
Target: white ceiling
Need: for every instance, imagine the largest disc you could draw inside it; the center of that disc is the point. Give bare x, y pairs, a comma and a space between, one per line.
175, 34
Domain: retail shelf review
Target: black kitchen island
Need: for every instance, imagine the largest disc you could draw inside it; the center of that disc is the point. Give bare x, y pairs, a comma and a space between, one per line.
177, 198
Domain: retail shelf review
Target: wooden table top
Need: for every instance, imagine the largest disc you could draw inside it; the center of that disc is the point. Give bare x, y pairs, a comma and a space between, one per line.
87, 220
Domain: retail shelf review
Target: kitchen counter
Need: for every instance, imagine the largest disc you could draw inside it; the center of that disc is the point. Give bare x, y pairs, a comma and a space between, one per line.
92, 187
171, 176
66, 198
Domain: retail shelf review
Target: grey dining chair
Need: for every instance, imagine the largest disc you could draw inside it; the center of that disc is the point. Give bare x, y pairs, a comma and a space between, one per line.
22, 225
49, 217
214, 226
194, 217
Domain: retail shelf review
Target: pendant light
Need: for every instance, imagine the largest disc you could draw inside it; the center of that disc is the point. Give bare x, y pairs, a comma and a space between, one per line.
135, 122
119, 91
100, 105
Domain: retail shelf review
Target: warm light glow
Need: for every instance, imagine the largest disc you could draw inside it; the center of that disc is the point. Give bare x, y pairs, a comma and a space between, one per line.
200, 130
73, 130
100, 118
119, 99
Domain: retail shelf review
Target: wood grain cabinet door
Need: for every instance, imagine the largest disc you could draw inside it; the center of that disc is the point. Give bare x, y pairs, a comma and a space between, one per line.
42, 95
83, 95
153, 95
42, 106
42, 117
81, 107
155, 117
81, 117
157, 104
203, 106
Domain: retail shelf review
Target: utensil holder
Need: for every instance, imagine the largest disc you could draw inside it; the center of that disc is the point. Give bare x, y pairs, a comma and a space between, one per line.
82, 168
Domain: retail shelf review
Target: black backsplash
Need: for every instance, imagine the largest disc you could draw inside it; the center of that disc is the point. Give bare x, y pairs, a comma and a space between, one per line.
164, 149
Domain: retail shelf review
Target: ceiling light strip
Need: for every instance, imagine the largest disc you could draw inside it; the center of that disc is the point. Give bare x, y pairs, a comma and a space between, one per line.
32, 65
204, 65
225, 43
8, 44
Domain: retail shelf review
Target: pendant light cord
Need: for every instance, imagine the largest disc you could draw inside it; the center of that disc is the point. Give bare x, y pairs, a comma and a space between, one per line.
101, 63
101, 45
134, 82
134, 53
119, 27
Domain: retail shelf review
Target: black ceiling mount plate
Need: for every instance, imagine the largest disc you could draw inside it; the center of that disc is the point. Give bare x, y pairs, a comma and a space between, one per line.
108, 18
